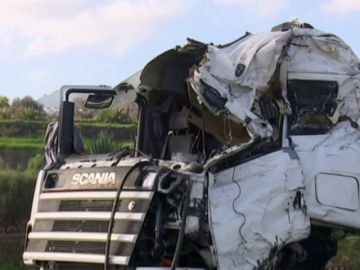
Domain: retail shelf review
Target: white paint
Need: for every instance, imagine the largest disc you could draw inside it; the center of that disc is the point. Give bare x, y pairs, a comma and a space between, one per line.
89, 216
268, 188
310, 51
82, 236
337, 191
334, 153
96, 195
74, 257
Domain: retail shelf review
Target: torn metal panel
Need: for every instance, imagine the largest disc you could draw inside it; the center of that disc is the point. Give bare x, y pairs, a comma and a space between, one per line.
335, 154
242, 72
350, 96
237, 72
313, 51
256, 208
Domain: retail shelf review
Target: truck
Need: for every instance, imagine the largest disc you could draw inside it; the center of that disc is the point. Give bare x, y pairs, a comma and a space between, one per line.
246, 157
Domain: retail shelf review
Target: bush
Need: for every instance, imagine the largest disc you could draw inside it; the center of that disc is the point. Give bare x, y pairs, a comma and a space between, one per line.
11, 249
5, 113
26, 102
29, 114
35, 162
11, 264
16, 192
3, 164
4, 102
105, 143
113, 116
348, 252
27, 109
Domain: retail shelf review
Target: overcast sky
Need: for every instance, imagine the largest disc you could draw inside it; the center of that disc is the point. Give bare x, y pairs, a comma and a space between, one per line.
45, 44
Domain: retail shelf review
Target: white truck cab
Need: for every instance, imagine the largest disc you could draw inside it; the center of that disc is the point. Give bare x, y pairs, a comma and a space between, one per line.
246, 158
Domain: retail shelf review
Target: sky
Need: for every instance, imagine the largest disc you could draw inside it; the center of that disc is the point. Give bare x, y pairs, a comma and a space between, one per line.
46, 44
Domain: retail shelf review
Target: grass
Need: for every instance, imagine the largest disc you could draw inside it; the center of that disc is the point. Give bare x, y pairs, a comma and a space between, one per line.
16, 191
17, 121
99, 146
78, 122
348, 252
111, 125
11, 254
38, 143
21, 142
11, 264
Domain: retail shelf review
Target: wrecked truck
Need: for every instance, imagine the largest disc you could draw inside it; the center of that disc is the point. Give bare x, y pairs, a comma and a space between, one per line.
247, 157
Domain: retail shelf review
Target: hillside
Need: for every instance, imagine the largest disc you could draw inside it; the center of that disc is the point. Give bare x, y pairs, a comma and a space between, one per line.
50, 100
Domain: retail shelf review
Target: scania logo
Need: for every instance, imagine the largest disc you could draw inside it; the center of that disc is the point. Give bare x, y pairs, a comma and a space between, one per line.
82, 179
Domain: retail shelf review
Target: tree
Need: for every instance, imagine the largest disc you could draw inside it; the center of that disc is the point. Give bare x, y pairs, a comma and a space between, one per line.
27, 109
5, 113
26, 102
4, 102
29, 114
4, 108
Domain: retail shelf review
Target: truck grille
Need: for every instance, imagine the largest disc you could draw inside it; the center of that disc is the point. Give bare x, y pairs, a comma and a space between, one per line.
74, 246
83, 266
71, 226
105, 206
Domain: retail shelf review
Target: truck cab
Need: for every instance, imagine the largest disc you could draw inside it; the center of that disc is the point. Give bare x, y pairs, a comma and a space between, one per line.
245, 158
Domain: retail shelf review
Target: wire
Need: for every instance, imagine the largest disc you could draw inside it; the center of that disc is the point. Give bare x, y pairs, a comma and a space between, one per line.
115, 206
227, 128
180, 239
234, 208
196, 142
203, 132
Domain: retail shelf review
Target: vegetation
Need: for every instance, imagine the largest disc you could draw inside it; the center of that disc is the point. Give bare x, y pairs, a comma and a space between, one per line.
113, 116
348, 252
35, 162
4, 102
14, 212
25, 109
10, 252
28, 109
23, 124
16, 191
104, 143
21, 142
29, 114
5, 113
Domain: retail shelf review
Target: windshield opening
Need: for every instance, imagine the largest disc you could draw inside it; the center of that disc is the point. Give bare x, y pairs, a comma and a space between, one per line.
99, 131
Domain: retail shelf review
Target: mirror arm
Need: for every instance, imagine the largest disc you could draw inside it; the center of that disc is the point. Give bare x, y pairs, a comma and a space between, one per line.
87, 91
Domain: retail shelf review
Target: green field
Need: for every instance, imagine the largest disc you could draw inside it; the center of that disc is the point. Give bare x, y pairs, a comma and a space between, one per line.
21, 142
38, 143
19, 122
79, 122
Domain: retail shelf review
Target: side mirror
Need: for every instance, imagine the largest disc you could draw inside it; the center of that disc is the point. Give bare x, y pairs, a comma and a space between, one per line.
99, 101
